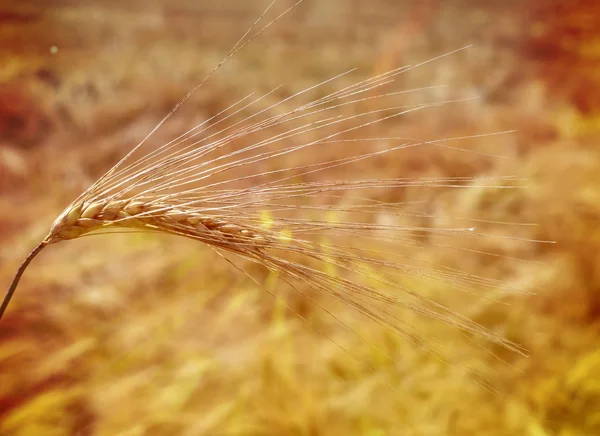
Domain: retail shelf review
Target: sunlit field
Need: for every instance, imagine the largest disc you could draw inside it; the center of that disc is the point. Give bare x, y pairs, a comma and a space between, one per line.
142, 333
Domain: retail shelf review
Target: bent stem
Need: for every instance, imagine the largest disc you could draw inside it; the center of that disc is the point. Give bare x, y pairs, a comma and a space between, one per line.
15, 282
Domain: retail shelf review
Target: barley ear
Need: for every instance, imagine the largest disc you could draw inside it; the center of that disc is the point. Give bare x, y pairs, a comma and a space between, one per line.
15, 282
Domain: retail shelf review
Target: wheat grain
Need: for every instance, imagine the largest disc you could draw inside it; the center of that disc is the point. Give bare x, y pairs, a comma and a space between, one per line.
193, 187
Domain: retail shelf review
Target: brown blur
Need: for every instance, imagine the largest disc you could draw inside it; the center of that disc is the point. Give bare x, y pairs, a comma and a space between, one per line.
154, 335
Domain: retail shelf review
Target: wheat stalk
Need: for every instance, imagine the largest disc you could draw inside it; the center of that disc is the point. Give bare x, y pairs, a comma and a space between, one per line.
192, 187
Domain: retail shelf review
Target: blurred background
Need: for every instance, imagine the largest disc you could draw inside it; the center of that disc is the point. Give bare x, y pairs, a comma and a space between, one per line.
154, 335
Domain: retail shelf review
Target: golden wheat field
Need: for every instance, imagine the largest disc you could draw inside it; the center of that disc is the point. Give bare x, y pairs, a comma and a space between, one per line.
431, 269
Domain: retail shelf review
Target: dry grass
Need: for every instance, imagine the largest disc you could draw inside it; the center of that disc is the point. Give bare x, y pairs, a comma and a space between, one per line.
163, 339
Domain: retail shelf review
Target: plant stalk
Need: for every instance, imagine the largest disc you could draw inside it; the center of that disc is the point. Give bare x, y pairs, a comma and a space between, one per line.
21, 270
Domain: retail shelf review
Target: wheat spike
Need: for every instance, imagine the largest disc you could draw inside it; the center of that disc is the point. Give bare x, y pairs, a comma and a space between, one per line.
195, 186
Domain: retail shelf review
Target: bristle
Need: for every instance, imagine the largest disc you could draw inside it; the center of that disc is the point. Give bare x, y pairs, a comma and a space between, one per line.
217, 182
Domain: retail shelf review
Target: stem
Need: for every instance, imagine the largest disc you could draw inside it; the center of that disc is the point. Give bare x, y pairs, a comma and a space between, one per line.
21, 270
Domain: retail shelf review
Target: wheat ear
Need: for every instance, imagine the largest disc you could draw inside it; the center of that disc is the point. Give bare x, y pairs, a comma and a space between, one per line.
194, 186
